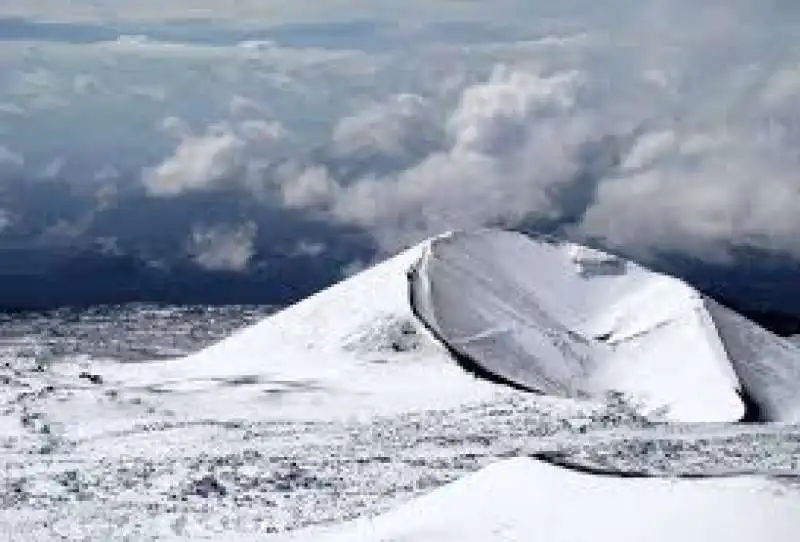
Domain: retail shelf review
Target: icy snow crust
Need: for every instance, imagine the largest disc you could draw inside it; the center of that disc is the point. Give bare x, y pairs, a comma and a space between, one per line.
562, 319
524, 499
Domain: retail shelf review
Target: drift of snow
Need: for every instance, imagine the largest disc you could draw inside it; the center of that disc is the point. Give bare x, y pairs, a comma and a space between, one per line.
558, 318
525, 499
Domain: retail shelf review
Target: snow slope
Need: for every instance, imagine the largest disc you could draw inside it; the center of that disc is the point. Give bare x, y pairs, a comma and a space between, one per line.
354, 350
558, 318
524, 499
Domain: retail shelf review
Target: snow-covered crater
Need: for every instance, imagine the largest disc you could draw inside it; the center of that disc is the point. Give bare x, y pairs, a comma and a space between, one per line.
562, 319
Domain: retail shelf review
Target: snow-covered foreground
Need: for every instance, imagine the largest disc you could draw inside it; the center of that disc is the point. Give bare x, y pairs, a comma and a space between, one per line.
523, 499
347, 405
164, 478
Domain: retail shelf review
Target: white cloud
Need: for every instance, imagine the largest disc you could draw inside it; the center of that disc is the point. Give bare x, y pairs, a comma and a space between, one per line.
177, 128
512, 140
242, 107
53, 169
109, 246
219, 157
223, 248
308, 248
782, 86
8, 108
40, 89
86, 84
7, 219
312, 187
400, 126
495, 117
199, 163
648, 149
261, 131
10, 158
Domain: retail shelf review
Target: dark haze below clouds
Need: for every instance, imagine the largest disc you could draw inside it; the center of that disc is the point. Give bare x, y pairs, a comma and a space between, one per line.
191, 162
70, 253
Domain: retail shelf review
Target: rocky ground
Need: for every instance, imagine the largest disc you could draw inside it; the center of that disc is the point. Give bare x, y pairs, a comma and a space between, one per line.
163, 478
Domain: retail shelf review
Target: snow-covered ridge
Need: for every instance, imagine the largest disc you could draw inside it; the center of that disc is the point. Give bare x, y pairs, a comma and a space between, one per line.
562, 319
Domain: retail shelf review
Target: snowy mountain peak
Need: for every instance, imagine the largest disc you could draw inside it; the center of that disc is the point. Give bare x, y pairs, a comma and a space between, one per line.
550, 317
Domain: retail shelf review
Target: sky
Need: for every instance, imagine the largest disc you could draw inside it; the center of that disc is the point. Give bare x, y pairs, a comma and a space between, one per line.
185, 152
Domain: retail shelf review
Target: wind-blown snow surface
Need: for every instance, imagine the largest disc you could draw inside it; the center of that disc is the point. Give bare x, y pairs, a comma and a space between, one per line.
523, 499
562, 319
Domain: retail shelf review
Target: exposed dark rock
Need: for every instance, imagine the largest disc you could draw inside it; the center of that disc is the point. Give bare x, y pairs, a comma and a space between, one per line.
93, 378
208, 486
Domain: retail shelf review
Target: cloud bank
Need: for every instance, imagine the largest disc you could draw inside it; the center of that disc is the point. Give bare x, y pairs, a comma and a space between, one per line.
562, 148
223, 248
657, 129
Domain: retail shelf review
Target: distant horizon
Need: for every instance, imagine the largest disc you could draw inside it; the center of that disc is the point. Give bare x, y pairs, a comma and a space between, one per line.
104, 285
